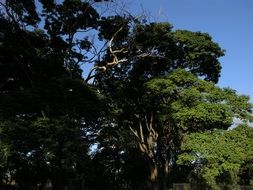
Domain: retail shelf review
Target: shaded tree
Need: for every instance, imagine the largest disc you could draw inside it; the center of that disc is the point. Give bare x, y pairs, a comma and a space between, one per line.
47, 109
148, 87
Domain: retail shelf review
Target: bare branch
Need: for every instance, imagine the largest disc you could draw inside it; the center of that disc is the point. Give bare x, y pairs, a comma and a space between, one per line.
141, 132
135, 132
142, 145
115, 60
146, 121
142, 148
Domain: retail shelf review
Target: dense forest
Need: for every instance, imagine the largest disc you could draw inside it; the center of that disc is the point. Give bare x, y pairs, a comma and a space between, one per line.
94, 96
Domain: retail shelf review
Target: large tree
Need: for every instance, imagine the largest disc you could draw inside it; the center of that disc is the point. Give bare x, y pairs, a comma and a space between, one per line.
159, 103
146, 80
47, 110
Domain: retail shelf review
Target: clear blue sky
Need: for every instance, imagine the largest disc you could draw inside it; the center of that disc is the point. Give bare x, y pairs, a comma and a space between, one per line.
229, 22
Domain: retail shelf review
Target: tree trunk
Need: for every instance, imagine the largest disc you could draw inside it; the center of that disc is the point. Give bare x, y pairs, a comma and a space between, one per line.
163, 167
147, 138
153, 175
163, 174
58, 183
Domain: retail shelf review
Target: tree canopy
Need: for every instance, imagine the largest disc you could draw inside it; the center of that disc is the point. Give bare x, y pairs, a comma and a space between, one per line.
94, 99
219, 156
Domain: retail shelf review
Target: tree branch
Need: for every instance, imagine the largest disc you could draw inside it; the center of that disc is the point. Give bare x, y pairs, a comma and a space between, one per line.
135, 133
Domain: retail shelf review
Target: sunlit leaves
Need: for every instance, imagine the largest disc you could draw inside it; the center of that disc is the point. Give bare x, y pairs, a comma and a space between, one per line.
195, 104
218, 152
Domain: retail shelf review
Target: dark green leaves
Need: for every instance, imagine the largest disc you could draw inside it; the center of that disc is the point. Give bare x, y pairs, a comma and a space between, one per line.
24, 9
69, 17
198, 53
115, 27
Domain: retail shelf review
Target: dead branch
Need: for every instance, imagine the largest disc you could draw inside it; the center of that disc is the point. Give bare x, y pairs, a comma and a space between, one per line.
115, 60
135, 132
113, 53
140, 137
141, 132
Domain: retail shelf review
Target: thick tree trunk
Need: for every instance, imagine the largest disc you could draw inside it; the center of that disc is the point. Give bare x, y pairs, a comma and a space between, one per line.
163, 167
153, 175
147, 138
162, 175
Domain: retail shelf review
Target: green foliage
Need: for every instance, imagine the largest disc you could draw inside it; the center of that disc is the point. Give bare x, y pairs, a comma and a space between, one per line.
199, 53
48, 113
25, 10
72, 16
162, 76
219, 154
194, 104
114, 25
148, 75
3, 155
185, 104
169, 50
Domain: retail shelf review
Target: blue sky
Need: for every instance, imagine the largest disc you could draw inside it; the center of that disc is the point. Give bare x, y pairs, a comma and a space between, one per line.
229, 22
